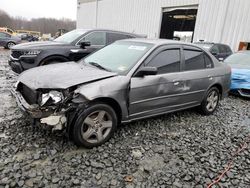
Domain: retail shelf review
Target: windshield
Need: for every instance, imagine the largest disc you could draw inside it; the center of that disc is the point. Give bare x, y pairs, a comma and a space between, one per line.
70, 36
239, 59
119, 57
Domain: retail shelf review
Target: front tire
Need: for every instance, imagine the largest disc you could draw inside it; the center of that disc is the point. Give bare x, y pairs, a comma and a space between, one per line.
94, 126
211, 101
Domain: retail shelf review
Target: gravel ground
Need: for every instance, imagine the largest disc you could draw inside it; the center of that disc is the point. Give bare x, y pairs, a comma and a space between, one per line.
182, 149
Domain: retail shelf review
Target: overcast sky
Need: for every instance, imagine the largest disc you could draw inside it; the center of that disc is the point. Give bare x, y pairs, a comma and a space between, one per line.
40, 8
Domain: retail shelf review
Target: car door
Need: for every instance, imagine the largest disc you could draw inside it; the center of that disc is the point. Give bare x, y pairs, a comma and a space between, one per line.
97, 40
156, 94
198, 74
4, 38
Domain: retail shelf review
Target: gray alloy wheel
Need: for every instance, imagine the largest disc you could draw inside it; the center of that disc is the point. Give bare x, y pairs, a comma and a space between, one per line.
212, 100
10, 44
97, 126
94, 125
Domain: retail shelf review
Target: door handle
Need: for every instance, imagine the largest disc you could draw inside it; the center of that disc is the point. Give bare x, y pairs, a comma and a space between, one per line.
210, 77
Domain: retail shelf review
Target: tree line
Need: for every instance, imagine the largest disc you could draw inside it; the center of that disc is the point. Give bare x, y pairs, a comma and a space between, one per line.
43, 25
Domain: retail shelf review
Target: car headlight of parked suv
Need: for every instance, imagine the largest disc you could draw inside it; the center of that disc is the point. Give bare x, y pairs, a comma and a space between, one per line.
52, 97
32, 52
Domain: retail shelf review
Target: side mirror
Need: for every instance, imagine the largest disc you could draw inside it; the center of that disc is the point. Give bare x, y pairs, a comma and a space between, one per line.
83, 44
144, 71
214, 53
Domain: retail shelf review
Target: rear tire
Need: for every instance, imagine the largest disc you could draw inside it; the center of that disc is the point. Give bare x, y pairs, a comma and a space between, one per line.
210, 102
94, 126
10, 44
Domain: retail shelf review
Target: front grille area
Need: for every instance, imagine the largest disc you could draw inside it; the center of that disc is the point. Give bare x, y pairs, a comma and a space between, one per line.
28, 94
16, 54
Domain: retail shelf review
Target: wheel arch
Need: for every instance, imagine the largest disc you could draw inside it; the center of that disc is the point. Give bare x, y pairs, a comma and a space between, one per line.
112, 103
219, 87
54, 56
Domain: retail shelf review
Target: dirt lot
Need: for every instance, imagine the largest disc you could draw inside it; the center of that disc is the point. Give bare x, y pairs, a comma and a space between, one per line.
182, 149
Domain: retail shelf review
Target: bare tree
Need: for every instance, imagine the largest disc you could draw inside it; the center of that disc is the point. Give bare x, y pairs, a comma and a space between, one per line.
5, 19
43, 25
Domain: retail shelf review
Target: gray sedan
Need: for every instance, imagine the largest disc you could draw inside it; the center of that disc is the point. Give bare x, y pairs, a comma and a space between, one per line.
7, 40
125, 81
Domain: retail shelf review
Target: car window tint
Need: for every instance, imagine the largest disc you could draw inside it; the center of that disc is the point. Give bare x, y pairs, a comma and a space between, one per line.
112, 37
214, 49
96, 38
208, 61
4, 35
222, 49
228, 49
194, 59
166, 61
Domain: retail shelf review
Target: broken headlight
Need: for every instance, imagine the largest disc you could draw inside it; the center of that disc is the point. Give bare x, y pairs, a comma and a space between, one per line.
52, 97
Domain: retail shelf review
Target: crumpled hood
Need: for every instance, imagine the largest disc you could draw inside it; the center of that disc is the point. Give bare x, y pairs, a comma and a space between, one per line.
240, 78
62, 75
37, 45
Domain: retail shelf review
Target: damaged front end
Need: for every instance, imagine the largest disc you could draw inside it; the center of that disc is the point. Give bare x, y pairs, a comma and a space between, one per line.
51, 107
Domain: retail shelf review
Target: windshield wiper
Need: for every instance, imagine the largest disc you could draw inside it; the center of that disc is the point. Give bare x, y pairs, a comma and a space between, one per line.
99, 66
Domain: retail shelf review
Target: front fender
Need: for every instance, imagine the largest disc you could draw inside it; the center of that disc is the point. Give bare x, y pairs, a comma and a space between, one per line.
115, 88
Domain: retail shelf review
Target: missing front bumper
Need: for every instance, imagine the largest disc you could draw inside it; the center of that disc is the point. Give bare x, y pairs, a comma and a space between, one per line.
56, 121
32, 110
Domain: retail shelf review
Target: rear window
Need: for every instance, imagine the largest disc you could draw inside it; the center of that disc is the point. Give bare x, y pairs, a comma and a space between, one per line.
112, 37
194, 59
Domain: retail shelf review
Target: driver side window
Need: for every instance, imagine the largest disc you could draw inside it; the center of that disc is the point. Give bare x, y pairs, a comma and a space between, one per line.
96, 38
167, 61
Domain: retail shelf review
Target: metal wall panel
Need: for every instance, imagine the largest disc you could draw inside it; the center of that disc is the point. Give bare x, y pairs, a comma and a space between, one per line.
138, 16
225, 21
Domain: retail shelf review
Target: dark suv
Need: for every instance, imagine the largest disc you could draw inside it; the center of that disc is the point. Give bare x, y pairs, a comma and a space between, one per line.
71, 46
220, 51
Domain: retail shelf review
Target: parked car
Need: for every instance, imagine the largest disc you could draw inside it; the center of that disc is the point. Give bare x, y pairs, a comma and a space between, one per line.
125, 81
27, 37
7, 40
68, 47
240, 64
220, 51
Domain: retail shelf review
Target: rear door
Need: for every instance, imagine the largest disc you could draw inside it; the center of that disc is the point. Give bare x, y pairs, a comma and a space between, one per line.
197, 73
156, 94
4, 38
97, 41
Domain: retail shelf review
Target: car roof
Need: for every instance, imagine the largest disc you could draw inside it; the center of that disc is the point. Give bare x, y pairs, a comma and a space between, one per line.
110, 30
159, 41
209, 43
